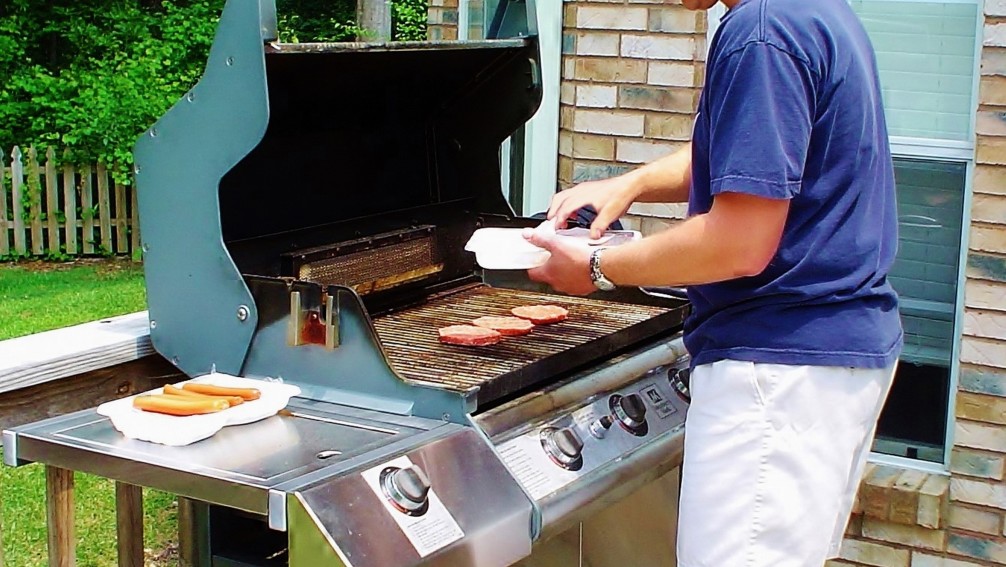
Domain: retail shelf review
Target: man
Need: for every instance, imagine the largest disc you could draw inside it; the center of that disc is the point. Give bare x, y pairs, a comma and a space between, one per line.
792, 228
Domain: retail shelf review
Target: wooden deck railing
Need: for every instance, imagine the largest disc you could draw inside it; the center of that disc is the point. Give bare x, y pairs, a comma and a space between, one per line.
66, 370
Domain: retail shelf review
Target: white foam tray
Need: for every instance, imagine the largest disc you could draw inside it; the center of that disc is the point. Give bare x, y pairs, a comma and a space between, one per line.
508, 249
185, 430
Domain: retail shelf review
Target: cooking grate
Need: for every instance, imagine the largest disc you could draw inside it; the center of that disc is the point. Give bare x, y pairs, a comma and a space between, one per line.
594, 330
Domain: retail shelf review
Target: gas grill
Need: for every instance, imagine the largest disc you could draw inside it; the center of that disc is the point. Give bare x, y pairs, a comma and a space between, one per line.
304, 212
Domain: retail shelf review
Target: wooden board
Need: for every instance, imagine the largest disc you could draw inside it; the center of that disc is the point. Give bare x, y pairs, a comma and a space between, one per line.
44, 357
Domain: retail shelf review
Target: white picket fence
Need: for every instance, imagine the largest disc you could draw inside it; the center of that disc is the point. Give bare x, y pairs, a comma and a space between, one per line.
52, 209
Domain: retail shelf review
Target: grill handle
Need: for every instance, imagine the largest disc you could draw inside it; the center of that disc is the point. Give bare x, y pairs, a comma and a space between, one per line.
666, 292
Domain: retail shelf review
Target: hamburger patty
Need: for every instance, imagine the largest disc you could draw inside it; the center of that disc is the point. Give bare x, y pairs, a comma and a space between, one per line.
468, 335
507, 326
541, 314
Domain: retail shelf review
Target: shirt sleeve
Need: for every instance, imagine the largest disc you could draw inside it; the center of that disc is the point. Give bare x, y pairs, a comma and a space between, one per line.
761, 106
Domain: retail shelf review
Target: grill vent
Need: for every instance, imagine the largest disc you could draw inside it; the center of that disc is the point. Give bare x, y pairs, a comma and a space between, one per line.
376, 264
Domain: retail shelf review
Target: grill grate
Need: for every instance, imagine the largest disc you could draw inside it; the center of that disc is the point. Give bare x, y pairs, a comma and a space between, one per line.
412, 345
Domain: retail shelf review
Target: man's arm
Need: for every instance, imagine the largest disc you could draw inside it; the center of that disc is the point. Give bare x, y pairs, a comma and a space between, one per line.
665, 180
738, 237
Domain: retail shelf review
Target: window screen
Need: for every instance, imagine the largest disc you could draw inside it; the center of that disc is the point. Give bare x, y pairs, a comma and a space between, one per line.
925, 52
930, 212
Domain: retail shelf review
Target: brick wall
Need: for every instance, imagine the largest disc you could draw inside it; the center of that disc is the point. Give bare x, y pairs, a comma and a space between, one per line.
442, 23
631, 73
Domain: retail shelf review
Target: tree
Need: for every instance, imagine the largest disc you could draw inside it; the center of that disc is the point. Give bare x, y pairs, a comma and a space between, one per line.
91, 75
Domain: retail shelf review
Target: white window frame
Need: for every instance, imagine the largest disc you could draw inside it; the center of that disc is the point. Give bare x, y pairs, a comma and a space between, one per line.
937, 150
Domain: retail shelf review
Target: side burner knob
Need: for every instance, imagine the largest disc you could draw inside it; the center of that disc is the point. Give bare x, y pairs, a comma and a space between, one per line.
567, 441
630, 410
407, 489
563, 446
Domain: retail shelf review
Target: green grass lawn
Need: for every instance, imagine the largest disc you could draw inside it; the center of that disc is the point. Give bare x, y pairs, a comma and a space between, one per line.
37, 297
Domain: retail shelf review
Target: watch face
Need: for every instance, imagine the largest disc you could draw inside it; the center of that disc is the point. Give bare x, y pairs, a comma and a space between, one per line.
604, 285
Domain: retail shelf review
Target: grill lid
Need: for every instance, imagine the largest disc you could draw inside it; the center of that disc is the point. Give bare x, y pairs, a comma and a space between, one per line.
283, 148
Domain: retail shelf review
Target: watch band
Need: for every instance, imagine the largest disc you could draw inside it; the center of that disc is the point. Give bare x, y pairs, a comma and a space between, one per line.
596, 275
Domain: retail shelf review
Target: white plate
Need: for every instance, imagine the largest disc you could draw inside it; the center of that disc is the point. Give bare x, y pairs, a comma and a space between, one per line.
185, 430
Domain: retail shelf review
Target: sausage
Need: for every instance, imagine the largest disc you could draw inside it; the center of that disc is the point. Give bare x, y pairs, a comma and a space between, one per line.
178, 405
176, 391
211, 390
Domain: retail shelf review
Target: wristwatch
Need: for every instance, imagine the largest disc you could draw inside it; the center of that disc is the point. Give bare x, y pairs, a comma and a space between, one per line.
600, 282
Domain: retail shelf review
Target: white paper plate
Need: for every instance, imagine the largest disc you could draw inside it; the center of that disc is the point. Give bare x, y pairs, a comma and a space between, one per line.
185, 430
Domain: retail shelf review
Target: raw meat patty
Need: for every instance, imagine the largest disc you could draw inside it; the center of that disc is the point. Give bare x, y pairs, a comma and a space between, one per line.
541, 314
506, 326
468, 335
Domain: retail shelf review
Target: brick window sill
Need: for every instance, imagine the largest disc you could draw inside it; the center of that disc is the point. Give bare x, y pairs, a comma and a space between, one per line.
903, 496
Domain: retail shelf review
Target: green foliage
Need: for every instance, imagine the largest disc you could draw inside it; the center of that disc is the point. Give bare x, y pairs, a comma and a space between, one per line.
409, 20
91, 75
316, 20
92, 84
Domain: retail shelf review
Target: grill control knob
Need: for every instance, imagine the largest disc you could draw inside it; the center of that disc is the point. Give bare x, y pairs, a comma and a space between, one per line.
563, 446
630, 410
679, 380
407, 489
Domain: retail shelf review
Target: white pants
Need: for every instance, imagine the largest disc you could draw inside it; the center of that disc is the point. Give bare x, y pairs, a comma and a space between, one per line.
773, 459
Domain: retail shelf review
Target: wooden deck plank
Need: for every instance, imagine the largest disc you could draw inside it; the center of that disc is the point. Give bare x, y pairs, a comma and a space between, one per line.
44, 357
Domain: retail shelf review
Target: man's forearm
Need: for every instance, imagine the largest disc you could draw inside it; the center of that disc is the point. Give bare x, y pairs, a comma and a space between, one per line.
665, 180
737, 238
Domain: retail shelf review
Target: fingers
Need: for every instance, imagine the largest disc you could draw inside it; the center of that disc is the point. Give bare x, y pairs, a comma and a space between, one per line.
601, 222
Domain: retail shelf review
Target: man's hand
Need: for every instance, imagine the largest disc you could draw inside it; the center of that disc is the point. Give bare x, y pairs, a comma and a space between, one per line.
567, 270
611, 198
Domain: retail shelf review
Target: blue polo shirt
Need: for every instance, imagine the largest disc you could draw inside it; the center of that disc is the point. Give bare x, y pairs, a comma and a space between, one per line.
792, 109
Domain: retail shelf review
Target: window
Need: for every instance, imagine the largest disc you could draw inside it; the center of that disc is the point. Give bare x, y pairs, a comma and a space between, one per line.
927, 54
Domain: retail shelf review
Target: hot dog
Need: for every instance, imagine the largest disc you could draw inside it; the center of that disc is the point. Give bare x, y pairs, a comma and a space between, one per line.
176, 391
178, 405
211, 390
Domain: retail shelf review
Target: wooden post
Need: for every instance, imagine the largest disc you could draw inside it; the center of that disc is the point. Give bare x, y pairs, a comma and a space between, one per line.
35, 197
374, 16
188, 539
1, 518
59, 516
17, 185
129, 524
134, 231
86, 193
103, 210
52, 201
69, 205
121, 240
4, 238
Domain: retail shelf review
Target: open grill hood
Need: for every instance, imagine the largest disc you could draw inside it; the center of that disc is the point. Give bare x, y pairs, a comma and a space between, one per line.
302, 192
